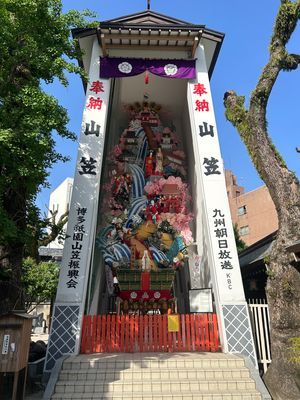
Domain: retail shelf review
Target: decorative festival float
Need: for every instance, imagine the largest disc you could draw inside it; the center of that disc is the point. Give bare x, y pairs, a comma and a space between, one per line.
145, 215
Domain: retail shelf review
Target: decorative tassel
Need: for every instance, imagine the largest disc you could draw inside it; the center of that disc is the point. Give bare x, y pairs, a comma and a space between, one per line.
146, 77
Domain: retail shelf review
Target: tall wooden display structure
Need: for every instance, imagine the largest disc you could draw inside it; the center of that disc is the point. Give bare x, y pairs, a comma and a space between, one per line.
214, 261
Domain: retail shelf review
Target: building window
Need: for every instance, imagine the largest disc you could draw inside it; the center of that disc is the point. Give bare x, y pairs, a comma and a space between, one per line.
242, 210
244, 230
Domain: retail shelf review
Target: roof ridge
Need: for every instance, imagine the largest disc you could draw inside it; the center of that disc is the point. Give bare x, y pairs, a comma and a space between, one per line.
148, 13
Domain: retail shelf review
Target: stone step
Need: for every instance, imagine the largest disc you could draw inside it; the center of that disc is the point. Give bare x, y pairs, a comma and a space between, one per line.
151, 396
154, 376
145, 360
166, 374
155, 387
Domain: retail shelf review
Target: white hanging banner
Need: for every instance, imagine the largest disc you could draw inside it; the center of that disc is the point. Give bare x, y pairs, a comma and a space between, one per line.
84, 204
226, 269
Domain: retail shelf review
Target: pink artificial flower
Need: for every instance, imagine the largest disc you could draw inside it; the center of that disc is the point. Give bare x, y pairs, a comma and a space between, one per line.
117, 151
179, 153
116, 213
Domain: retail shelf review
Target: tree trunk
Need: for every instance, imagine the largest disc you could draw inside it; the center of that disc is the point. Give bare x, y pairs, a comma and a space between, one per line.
283, 287
283, 293
11, 292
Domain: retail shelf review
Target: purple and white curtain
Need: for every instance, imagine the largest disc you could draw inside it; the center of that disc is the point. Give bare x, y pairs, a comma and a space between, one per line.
117, 67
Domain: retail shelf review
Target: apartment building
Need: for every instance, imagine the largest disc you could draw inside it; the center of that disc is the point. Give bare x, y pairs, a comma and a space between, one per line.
253, 212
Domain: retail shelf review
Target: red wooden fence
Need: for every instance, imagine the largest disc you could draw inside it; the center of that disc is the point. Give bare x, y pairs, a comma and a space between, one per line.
148, 333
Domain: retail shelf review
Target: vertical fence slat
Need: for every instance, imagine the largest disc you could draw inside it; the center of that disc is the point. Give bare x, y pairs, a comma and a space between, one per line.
165, 332
155, 327
197, 332
266, 328
160, 333
215, 332
94, 334
141, 333
188, 332
211, 333
179, 334
257, 332
113, 333
146, 333
206, 333
122, 333
108, 326
117, 334
131, 335
83, 335
103, 330
151, 330
136, 332
202, 332
127, 331
193, 339
183, 334
170, 349
98, 349
262, 337
89, 334
175, 341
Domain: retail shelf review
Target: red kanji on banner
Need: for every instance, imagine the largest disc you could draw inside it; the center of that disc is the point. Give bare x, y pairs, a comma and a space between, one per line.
95, 104
199, 89
97, 87
201, 105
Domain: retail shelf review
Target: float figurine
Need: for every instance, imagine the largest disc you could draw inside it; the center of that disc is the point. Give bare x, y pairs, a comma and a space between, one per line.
149, 164
152, 212
146, 262
159, 162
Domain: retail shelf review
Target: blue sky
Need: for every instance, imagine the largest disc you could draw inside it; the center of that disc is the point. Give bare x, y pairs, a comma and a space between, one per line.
247, 27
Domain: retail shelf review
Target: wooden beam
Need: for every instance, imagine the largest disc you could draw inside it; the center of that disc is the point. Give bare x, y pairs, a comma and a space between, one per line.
195, 45
145, 47
103, 45
98, 32
142, 36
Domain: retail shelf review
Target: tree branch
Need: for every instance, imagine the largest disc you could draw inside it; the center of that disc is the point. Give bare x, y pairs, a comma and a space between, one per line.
56, 228
252, 124
291, 62
236, 113
286, 22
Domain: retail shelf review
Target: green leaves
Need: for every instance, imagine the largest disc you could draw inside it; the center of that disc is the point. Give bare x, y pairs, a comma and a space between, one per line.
39, 281
35, 46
